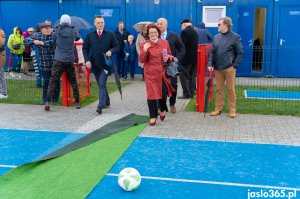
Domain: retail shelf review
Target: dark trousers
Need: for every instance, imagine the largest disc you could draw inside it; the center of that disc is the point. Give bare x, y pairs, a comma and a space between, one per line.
162, 103
188, 80
129, 66
57, 70
46, 79
101, 78
120, 62
172, 99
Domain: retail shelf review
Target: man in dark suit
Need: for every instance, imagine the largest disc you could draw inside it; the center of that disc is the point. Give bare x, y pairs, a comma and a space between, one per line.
98, 43
189, 38
178, 51
122, 35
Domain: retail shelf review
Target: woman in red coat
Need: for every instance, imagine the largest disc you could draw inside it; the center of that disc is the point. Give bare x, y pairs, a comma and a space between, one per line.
158, 86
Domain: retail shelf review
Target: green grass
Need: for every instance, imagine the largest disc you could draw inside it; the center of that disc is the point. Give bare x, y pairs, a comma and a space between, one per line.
257, 106
25, 92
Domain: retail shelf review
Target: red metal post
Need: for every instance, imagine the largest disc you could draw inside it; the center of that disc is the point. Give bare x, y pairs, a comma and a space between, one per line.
200, 88
64, 89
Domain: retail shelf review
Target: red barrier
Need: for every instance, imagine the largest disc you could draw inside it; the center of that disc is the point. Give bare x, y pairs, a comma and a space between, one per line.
83, 82
82, 77
202, 76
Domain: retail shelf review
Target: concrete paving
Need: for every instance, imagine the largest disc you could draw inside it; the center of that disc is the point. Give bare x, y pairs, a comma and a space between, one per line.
246, 128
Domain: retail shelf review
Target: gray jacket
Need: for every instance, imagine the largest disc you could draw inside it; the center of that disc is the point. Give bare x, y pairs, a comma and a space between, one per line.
63, 37
226, 51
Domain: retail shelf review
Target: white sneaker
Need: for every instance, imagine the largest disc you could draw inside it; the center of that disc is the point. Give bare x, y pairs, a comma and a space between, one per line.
12, 74
3, 96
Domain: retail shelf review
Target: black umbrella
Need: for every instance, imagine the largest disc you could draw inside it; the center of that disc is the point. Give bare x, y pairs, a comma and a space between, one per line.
78, 23
109, 61
208, 85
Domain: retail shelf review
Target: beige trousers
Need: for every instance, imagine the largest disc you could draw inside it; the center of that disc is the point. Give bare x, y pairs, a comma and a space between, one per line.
227, 75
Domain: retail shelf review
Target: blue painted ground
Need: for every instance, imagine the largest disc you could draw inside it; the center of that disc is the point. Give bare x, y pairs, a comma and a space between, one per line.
256, 164
279, 95
22, 146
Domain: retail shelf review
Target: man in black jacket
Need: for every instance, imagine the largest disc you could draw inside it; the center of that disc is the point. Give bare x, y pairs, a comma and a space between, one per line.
122, 35
98, 43
178, 51
225, 56
189, 38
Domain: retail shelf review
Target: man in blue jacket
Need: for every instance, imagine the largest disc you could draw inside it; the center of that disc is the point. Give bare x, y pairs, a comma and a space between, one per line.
204, 36
225, 56
98, 43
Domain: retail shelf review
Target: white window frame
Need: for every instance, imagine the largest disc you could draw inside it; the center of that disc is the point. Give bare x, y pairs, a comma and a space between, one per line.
204, 13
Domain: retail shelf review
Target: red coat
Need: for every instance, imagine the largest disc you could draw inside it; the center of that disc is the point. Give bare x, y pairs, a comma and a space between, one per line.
154, 69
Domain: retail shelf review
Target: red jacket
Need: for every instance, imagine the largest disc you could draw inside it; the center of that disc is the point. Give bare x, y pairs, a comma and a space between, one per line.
154, 69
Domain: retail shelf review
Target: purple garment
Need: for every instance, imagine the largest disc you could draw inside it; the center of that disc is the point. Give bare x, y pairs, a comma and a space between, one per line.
27, 48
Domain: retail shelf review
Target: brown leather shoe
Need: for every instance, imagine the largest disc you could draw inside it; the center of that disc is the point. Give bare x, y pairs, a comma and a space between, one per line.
232, 114
215, 113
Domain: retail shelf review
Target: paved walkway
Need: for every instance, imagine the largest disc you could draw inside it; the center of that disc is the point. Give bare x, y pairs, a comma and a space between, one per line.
183, 125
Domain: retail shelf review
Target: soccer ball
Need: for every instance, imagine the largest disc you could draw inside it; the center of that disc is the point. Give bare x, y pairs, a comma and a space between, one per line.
129, 179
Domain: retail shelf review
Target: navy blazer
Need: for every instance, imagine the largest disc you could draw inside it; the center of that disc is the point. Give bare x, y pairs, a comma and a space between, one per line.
94, 47
176, 45
131, 50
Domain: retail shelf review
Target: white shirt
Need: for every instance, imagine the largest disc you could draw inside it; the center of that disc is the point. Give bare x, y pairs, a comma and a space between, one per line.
163, 35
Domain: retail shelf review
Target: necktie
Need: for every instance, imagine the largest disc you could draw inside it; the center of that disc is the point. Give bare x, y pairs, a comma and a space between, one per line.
99, 33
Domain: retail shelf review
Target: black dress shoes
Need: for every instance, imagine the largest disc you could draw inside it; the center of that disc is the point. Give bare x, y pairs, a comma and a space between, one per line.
183, 97
99, 111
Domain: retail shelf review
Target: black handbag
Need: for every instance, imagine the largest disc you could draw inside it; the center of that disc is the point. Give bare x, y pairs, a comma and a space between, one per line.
16, 46
173, 69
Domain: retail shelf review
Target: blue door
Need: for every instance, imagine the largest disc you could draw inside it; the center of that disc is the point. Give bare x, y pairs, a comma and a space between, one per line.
246, 31
288, 42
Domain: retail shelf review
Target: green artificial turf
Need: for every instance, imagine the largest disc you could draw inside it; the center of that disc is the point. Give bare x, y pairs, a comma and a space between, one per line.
256, 106
73, 175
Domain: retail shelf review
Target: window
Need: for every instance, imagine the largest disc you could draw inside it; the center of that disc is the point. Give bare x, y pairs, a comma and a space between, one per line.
212, 14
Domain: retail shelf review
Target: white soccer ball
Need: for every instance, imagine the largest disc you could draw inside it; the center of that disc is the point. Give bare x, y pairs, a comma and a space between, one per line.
129, 179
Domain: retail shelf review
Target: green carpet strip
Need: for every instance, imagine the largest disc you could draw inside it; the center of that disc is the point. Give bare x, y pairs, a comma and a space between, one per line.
103, 132
73, 175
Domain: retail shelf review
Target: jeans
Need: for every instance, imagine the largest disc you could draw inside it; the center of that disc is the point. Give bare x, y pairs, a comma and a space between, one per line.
120, 62
46, 79
3, 88
16, 60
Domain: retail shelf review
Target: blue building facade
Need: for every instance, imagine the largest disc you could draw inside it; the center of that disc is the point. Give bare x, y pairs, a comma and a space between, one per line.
269, 28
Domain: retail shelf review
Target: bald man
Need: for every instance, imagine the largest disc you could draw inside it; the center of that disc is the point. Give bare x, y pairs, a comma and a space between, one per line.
178, 51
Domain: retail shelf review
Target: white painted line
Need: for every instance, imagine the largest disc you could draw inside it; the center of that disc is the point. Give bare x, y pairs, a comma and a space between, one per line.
7, 166
215, 183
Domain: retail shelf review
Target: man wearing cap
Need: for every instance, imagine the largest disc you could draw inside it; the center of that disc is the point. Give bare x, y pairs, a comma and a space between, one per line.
99, 43
63, 37
189, 38
43, 41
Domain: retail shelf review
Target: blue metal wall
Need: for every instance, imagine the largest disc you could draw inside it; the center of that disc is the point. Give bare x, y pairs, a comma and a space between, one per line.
27, 13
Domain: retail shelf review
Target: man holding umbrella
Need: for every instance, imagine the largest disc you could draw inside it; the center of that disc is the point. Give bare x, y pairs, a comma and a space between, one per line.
97, 43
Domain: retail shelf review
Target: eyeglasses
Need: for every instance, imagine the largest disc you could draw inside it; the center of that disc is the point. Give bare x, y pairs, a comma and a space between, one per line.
153, 32
219, 24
